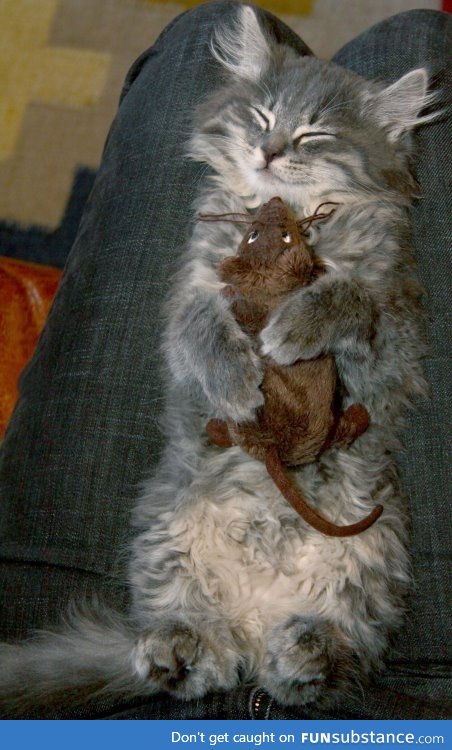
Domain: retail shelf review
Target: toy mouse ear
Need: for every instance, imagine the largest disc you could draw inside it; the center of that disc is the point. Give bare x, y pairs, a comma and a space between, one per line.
242, 46
400, 104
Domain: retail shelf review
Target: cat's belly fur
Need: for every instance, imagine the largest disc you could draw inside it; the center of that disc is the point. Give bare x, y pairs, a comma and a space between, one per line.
248, 559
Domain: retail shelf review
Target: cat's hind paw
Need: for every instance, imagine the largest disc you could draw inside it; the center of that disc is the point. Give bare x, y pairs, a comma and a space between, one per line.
179, 659
303, 664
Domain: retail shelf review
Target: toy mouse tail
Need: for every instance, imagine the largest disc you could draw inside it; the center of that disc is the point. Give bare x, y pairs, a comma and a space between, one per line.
276, 470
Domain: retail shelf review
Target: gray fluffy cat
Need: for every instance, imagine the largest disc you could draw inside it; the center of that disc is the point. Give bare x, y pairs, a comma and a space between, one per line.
227, 580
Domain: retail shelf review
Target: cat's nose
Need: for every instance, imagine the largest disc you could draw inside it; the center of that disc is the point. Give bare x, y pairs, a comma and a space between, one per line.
271, 153
272, 147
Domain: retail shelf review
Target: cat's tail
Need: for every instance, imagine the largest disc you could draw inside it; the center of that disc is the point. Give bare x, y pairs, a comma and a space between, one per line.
293, 495
90, 657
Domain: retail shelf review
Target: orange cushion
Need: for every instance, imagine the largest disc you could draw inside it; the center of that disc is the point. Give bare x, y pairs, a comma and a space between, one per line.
26, 292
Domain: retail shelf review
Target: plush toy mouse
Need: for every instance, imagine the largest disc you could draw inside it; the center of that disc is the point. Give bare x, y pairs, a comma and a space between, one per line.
300, 417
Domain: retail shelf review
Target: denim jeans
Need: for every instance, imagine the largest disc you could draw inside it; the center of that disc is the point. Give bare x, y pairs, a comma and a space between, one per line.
85, 431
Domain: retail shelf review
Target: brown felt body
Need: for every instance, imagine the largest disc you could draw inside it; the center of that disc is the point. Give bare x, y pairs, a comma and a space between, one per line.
300, 418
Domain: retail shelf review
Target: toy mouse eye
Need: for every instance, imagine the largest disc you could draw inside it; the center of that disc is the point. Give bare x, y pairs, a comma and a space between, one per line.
287, 237
253, 236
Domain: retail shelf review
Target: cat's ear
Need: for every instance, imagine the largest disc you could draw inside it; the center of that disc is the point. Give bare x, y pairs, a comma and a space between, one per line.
242, 46
400, 104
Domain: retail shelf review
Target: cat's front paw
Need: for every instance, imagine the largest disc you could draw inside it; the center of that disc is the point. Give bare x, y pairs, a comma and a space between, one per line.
181, 660
296, 330
233, 381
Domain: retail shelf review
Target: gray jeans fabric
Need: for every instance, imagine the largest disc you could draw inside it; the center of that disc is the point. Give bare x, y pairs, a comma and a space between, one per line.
86, 428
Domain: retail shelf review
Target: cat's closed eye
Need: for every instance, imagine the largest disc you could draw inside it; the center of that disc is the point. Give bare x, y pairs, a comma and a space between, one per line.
302, 135
264, 117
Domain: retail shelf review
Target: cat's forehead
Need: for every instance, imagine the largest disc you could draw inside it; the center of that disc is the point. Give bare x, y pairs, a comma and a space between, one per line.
289, 112
308, 93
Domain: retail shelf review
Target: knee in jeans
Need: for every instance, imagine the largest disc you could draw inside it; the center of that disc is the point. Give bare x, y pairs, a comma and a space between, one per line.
423, 28
407, 40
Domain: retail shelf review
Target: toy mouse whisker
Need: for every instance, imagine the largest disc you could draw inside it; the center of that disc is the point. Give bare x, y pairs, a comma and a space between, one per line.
243, 218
